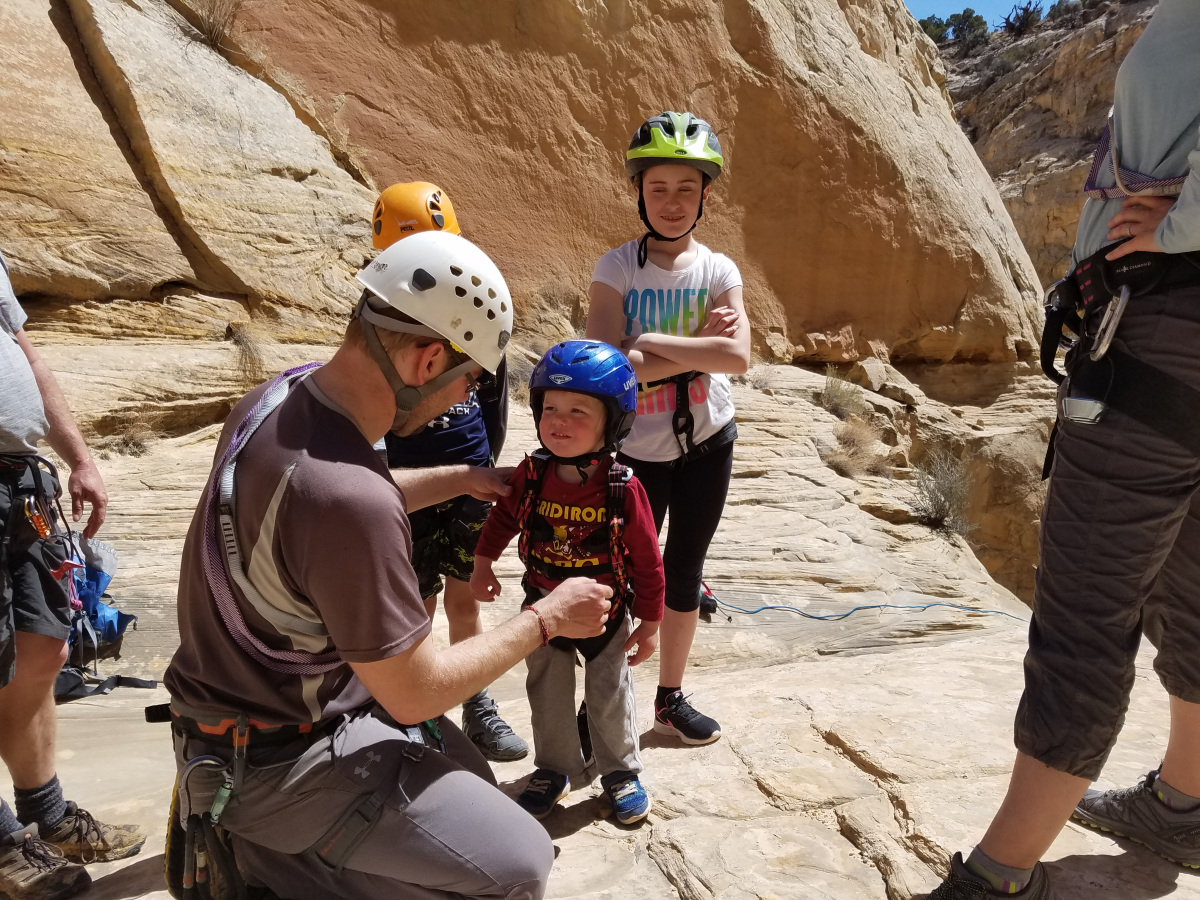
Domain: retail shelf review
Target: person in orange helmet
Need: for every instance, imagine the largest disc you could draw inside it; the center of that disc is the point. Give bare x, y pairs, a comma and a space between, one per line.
472, 432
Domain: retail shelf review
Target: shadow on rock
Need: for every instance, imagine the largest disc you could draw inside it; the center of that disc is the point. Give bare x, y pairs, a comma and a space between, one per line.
131, 881
1136, 874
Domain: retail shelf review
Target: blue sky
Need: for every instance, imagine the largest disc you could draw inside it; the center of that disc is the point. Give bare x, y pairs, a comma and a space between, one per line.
992, 10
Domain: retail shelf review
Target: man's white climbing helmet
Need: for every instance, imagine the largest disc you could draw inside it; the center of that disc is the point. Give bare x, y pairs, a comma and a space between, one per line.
450, 286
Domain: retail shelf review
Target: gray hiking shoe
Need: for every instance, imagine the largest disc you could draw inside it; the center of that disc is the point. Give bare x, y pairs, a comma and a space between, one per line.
490, 733
1136, 813
960, 884
31, 869
82, 839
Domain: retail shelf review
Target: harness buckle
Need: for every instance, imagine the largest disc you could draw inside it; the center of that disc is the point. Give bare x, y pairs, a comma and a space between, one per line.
1108, 324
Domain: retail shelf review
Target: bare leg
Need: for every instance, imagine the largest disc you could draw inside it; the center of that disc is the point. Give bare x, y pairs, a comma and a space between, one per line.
1038, 804
462, 610
1180, 769
27, 715
675, 643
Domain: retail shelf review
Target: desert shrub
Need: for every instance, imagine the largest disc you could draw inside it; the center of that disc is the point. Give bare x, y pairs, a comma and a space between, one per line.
520, 367
840, 397
855, 455
251, 359
969, 29
937, 29
217, 18
1023, 17
1060, 9
132, 436
943, 488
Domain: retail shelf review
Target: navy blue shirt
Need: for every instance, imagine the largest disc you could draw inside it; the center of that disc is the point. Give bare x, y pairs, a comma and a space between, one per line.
457, 436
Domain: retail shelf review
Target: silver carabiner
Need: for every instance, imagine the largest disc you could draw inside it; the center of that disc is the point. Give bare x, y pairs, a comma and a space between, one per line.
1108, 324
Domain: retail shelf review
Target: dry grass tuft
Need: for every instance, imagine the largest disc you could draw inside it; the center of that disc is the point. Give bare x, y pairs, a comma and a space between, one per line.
251, 353
856, 455
840, 397
520, 367
133, 435
217, 18
943, 488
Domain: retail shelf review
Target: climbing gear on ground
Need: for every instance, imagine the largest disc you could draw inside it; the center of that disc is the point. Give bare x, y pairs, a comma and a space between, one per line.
597, 370
405, 209
527, 524
1083, 313
1136, 813
960, 884
672, 138
31, 869
491, 734
1128, 182
708, 600
80, 838
680, 719
543, 792
629, 800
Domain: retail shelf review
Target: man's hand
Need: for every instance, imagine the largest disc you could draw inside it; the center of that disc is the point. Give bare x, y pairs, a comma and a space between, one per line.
1138, 220
484, 483
86, 486
484, 586
577, 608
645, 638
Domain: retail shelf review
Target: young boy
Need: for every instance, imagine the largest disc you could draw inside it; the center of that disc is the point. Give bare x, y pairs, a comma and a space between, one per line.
471, 432
579, 513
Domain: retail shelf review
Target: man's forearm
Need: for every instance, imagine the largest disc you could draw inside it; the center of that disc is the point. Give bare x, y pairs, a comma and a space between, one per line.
429, 487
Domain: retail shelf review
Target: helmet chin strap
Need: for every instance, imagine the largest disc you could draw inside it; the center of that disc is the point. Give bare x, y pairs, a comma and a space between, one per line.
643, 250
407, 396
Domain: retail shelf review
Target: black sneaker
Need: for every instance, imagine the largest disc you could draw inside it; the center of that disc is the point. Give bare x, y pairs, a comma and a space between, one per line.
543, 792
1137, 813
31, 869
677, 717
960, 884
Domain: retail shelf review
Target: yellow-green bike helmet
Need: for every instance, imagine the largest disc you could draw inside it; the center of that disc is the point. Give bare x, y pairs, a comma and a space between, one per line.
672, 137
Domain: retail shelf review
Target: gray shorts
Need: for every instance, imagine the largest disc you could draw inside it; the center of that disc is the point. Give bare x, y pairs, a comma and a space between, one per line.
1120, 554
31, 600
444, 830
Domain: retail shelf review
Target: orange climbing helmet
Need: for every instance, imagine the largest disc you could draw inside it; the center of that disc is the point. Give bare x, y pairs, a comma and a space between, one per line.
405, 209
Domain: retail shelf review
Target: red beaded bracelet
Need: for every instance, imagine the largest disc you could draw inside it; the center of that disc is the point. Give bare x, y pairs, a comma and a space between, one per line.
541, 625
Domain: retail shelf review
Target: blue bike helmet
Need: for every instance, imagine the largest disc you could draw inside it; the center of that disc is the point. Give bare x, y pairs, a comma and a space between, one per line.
596, 369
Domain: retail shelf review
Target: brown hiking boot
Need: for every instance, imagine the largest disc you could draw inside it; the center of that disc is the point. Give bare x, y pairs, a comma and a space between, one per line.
82, 839
31, 869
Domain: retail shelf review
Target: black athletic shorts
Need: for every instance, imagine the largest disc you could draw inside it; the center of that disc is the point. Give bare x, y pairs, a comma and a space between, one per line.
31, 600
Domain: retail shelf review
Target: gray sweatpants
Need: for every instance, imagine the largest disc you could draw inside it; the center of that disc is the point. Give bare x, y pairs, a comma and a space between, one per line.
611, 709
1120, 553
444, 829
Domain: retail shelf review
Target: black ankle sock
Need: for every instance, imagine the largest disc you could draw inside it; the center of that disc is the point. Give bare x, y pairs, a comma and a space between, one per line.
44, 805
8, 820
660, 699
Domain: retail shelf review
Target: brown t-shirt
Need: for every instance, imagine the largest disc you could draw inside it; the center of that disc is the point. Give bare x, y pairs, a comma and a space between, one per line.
324, 535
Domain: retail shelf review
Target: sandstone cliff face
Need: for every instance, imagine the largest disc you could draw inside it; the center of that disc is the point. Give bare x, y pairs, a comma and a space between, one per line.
1036, 126
862, 223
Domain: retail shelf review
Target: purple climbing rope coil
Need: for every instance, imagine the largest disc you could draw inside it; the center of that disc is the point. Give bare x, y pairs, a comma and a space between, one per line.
1128, 182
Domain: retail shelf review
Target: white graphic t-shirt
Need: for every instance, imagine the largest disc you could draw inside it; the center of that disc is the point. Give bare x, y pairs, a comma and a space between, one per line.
677, 303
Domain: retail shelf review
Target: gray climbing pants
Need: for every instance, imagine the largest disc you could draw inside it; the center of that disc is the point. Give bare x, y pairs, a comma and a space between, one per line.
1120, 554
442, 828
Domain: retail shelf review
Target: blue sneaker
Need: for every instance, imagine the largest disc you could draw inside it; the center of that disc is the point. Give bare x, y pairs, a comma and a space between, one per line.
543, 792
630, 802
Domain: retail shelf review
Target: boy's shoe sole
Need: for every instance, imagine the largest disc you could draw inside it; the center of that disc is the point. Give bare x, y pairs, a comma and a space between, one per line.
668, 729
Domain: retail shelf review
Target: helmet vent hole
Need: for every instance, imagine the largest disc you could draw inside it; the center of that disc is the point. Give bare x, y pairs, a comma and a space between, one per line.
476, 281
467, 335
422, 280
491, 314
478, 303
461, 291
503, 306
439, 220
455, 271
491, 294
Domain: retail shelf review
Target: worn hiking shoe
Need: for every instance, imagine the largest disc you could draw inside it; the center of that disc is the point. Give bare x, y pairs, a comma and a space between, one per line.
490, 733
31, 869
543, 792
630, 802
82, 839
1136, 813
677, 717
960, 884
